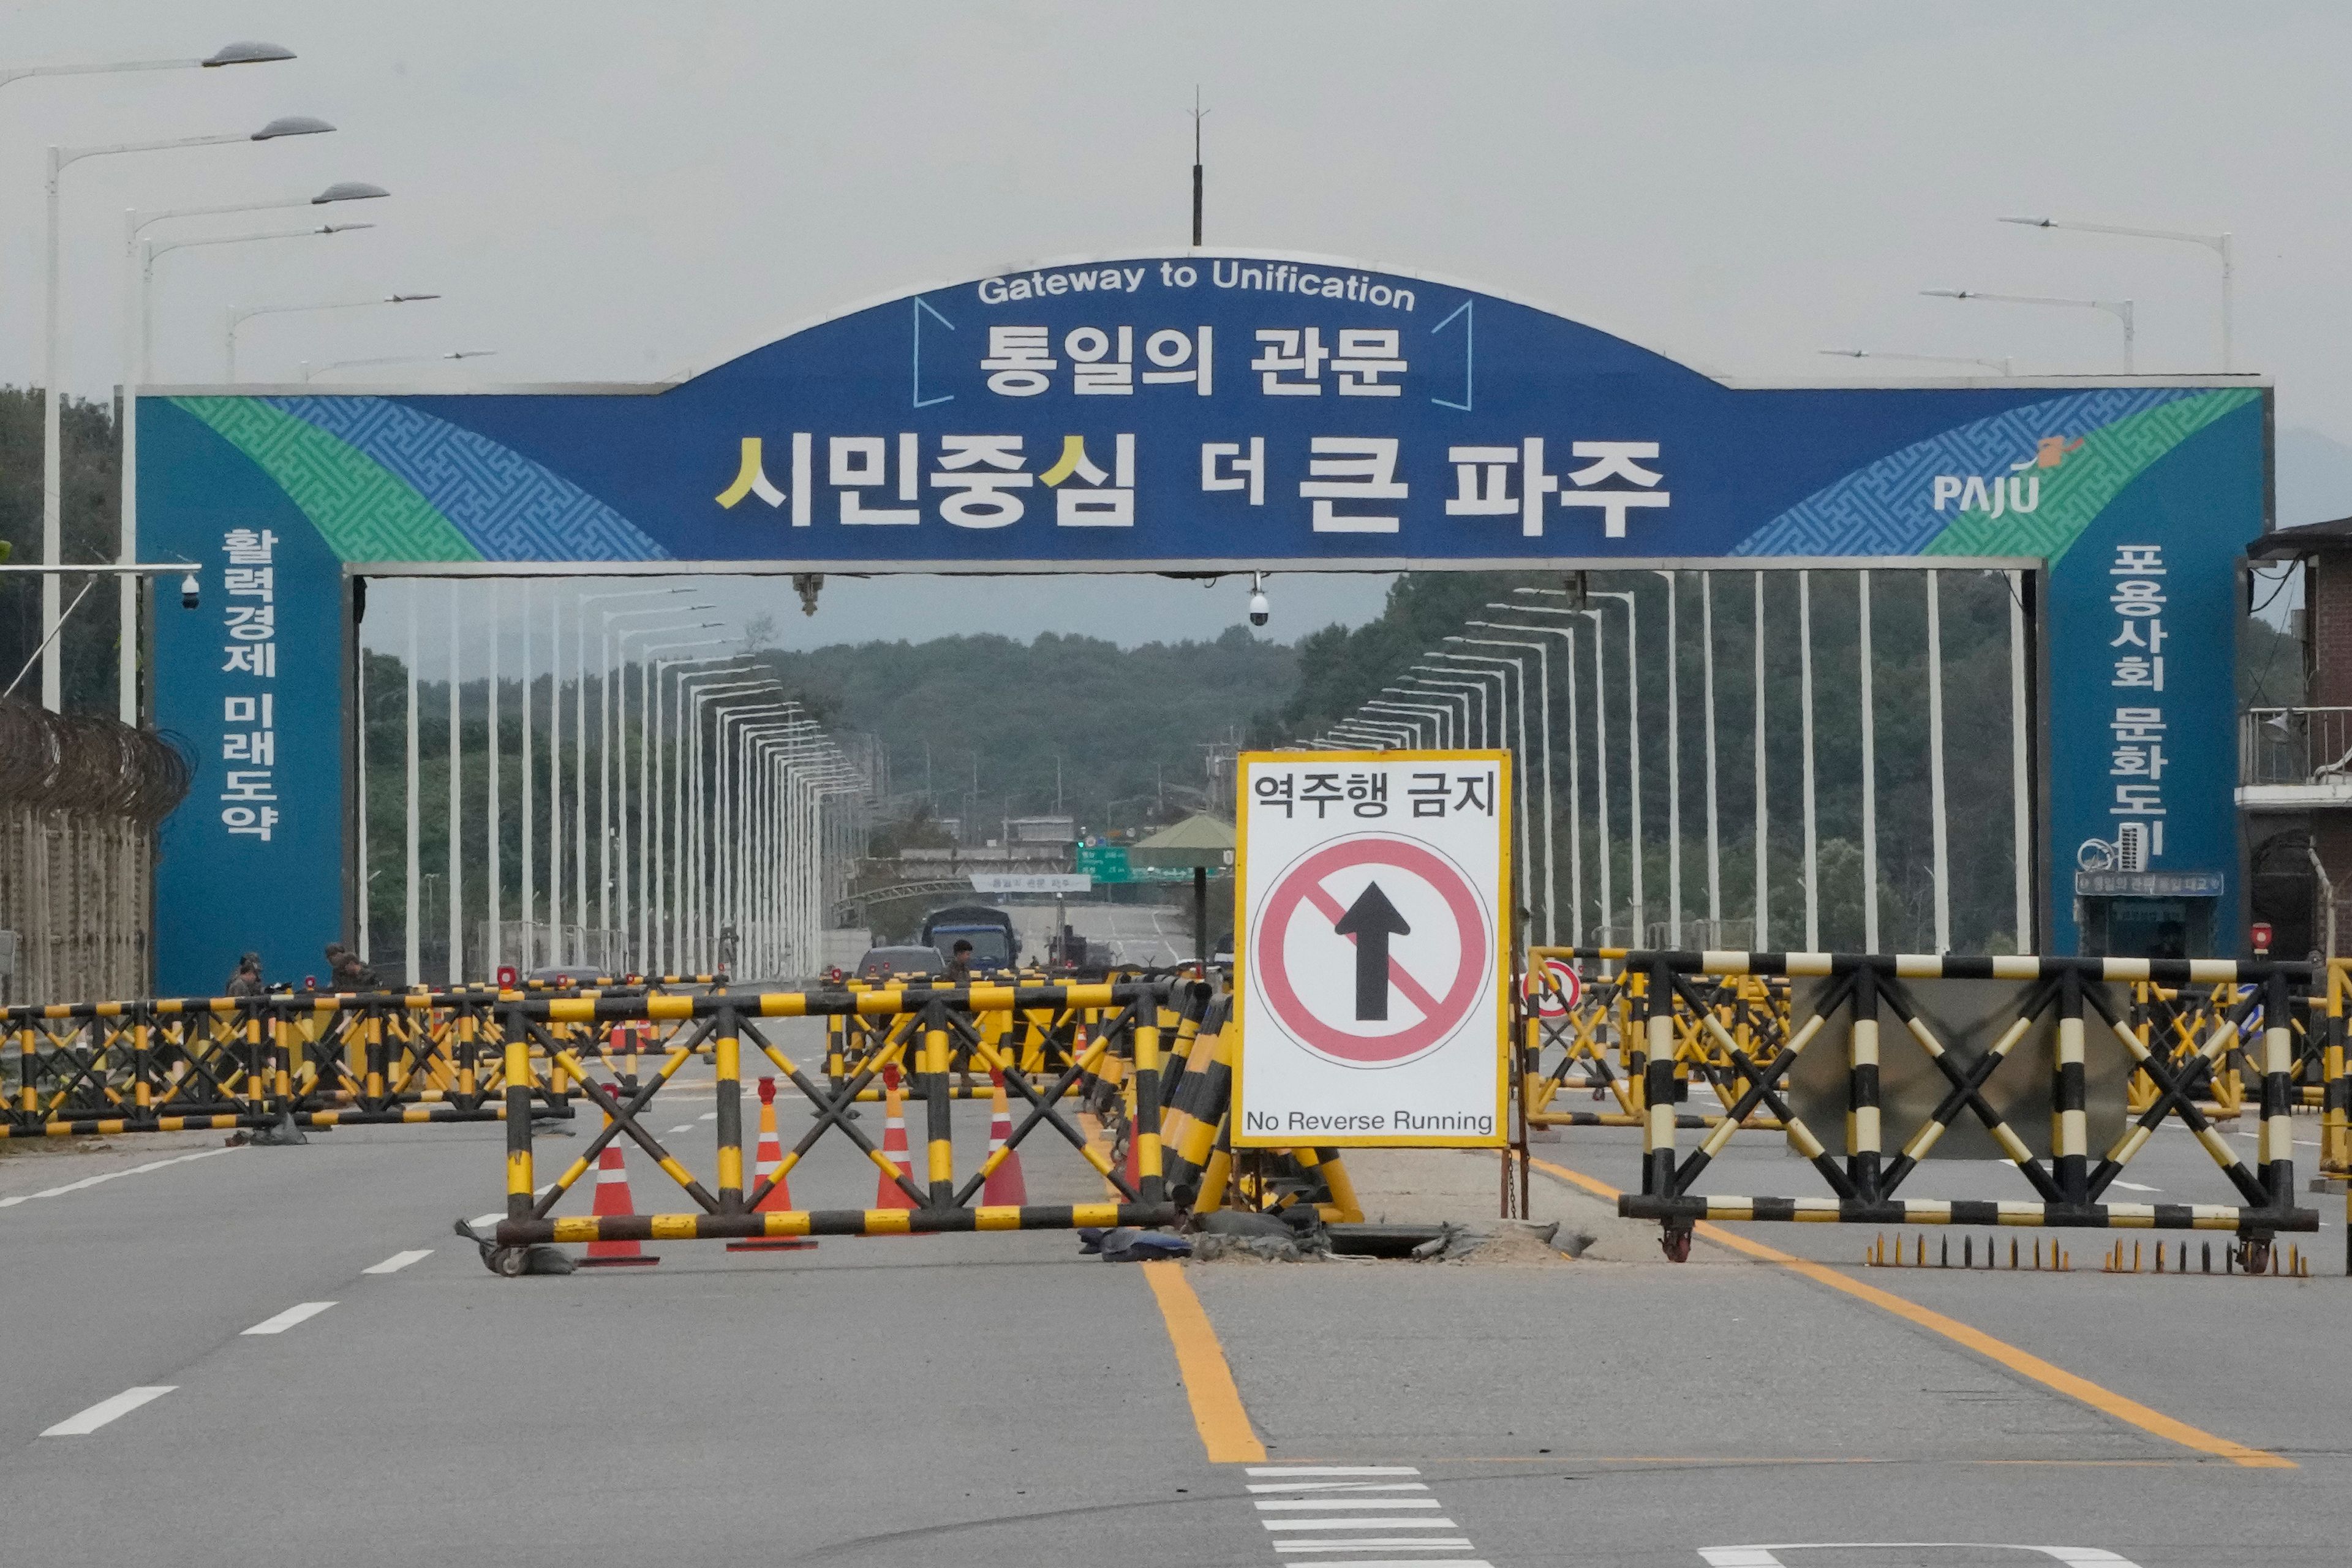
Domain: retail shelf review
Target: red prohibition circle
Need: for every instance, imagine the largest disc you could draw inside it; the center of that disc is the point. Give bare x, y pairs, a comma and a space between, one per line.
1558, 998
1282, 906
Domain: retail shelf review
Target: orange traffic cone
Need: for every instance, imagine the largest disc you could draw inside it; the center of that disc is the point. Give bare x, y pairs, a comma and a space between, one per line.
1005, 1184
887, 1194
765, 1158
613, 1200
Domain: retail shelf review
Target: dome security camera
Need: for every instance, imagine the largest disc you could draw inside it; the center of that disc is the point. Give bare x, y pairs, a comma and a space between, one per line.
189, 589
1259, 610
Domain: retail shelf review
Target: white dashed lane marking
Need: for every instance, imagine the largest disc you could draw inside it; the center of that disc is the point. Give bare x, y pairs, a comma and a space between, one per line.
300, 1313
398, 1262
106, 1410
89, 1182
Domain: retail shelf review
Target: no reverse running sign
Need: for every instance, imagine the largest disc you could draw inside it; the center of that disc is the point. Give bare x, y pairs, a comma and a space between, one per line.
1371, 948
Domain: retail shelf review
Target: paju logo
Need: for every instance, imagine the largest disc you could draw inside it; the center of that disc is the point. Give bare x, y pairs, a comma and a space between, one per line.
2018, 491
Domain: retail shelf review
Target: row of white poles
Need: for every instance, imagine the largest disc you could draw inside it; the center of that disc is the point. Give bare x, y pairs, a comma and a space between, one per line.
726, 850
1446, 703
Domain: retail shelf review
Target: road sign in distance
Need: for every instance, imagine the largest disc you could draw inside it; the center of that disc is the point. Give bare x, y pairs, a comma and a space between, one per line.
1554, 988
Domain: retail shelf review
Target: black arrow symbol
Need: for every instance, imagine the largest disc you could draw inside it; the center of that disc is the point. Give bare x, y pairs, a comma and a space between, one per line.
1371, 920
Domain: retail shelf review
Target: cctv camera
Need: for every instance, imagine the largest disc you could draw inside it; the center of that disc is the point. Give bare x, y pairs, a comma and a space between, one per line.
1258, 610
188, 591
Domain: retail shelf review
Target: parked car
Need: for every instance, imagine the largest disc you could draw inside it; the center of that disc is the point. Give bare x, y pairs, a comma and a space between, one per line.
881, 963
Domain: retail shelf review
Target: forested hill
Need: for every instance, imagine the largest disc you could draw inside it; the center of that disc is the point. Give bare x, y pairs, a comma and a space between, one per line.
1130, 725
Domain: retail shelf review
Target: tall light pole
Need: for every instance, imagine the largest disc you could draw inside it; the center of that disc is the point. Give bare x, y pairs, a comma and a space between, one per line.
2219, 244
52, 448
138, 223
650, 672
632, 888
1761, 939
1458, 720
1511, 678
754, 890
1435, 674
311, 372
1445, 716
2121, 309
1575, 768
736, 889
665, 880
238, 317
606, 707
709, 797
1674, 764
1640, 910
1415, 716
1543, 712
2003, 365
136, 334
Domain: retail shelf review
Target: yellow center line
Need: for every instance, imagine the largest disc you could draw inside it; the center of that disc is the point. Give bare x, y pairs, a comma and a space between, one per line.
1224, 1426
2024, 1364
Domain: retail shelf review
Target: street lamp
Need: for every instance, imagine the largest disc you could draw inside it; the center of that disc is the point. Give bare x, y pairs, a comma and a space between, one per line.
1632, 737
620, 712
739, 887
52, 458
137, 367
1575, 760
136, 222
2219, 244
2121, 309
1416, 715
237, 318
1389, 737
247, 54
608, 702
667, 867
1412, 700
1441, 676
136, 350
1455, 728
310, 372
696, 867
752, 889
2002, 364
1517, 666
1543, 709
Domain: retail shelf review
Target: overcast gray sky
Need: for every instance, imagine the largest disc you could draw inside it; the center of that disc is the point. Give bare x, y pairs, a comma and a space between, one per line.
614, 191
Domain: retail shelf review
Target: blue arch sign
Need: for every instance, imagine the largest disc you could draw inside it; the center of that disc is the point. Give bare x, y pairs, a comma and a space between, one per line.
1171, 412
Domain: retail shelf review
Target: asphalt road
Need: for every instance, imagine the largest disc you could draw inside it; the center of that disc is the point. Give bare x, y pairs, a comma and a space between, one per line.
919, 1402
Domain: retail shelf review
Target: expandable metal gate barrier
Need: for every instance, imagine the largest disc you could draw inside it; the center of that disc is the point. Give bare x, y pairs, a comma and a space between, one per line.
2069, 1187
945, 1019
101, 1068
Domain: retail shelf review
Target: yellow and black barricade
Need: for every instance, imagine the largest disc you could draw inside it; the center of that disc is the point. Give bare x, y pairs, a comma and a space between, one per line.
2069, 1185
932, 1028
321, 1059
